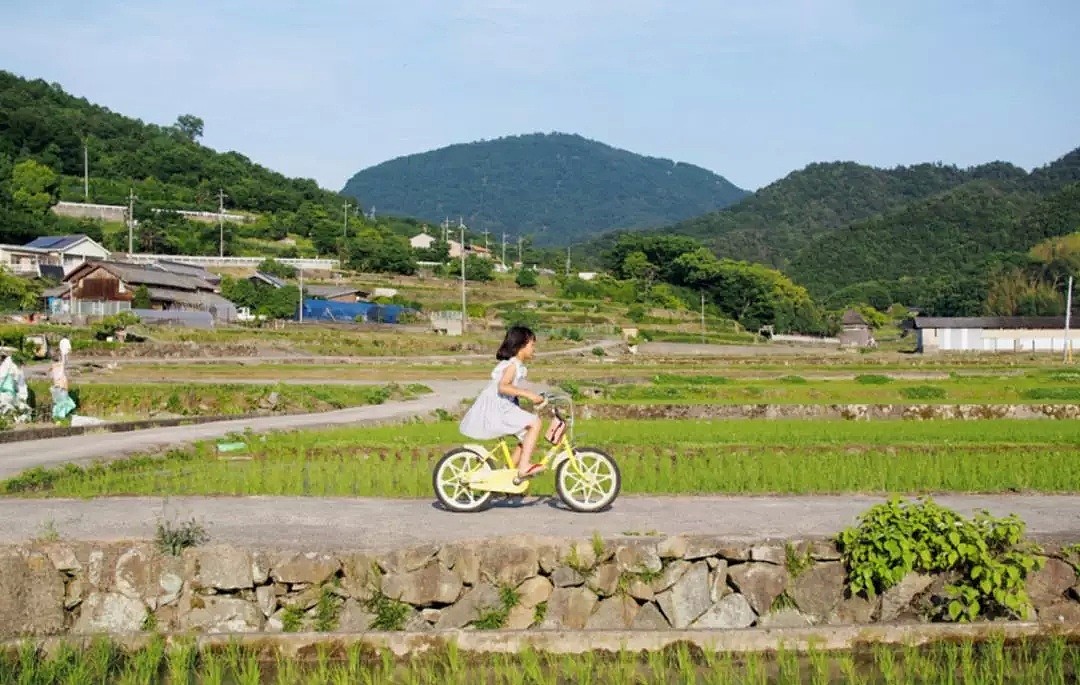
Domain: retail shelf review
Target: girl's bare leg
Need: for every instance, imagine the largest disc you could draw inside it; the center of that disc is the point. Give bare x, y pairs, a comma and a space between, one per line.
532, 435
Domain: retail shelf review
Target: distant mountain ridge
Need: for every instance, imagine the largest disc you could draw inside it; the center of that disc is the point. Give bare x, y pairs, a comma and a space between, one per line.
561, 188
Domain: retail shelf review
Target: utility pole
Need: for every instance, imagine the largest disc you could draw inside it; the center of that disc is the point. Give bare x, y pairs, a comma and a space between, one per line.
703, 316
464, 311
1068, 320
86, 172
504, 249
221, 222
568, 260
345, 233
520, 260
486, 238
445, 228
300, 315
131, 220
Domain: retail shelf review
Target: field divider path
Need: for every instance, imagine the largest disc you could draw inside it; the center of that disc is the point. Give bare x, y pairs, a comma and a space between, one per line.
20, 456
300, 358
339, 523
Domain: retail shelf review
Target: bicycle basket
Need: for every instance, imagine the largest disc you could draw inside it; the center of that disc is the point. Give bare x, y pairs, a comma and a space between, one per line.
556, 431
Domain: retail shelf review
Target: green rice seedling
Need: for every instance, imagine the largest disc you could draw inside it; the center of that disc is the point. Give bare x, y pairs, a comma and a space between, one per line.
787, 662
755, 671
885, 662
213, 668
246, 669
103, 657
182, 660
819, 667
286, 671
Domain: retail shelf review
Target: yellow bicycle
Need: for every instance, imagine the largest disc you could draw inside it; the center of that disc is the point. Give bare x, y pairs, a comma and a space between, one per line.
587, 479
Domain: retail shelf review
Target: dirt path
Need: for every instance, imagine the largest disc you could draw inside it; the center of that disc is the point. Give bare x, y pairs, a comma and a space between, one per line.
311, 523
17, 457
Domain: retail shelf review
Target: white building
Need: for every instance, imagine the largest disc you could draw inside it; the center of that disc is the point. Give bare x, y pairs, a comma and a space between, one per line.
21, 260
68, 251
422, 241
993, 334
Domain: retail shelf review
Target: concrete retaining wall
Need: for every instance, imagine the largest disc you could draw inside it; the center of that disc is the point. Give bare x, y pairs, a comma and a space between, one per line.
639, 583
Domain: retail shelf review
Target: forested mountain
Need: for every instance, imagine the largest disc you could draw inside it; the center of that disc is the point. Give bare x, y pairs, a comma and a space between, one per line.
777, 221
560, 188
963, 232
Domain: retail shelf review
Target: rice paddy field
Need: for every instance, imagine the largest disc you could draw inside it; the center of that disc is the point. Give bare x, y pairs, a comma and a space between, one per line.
655, 457
864, 388
1052, 661
121, 401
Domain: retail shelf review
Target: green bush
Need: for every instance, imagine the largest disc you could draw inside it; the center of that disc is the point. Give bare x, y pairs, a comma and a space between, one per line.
872, 379
923, 392
987, 557
526, 278
792, 380
1052, 394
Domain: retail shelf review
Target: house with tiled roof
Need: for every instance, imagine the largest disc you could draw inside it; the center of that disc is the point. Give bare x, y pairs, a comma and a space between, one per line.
105, 287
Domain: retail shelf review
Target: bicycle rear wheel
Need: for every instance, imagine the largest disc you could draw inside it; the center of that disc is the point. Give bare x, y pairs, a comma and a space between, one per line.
593, 485
450, 480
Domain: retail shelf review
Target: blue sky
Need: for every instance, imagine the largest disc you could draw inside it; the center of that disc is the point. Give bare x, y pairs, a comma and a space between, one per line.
750, 90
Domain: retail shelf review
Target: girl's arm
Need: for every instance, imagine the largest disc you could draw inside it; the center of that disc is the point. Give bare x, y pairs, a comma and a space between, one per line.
507, 387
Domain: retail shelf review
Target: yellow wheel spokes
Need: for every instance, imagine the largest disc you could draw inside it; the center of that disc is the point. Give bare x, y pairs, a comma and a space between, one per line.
461, 468
591, 480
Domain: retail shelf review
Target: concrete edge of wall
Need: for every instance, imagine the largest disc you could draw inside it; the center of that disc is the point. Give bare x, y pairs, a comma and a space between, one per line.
825, 638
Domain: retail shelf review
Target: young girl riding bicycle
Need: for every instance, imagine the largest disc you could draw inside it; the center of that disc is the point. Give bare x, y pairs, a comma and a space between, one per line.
497, 412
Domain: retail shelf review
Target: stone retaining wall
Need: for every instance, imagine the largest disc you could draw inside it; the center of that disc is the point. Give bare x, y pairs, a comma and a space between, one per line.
636, 583
853, 412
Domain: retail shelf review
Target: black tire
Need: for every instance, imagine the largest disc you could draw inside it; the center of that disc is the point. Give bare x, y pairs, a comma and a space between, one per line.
477, 501
570, 499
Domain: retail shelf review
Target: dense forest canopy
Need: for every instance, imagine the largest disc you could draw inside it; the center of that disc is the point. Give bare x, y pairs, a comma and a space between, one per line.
559, 188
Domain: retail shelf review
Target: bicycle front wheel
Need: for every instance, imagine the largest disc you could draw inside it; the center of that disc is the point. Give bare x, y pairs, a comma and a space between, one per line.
450, 480
589, 482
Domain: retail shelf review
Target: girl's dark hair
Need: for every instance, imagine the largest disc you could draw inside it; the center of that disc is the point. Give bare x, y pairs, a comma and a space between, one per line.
516, 338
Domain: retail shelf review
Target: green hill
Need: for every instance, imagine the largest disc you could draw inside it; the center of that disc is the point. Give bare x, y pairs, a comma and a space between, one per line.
560, 188
961, 232
43, 131
779, 220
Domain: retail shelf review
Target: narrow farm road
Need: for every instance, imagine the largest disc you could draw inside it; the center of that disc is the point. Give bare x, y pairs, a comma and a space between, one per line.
328, 523
18, 456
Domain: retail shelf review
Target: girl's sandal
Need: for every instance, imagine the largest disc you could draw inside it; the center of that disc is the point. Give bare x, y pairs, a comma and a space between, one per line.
533, 470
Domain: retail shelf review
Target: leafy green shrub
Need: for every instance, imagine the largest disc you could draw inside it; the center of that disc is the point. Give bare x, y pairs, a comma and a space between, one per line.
923, 392
521, 317
1052, 394
598, 351
526, 278
174, 540
792, 380
275, 268
872, 379
109, 325
636, 313
987, 556
390, 614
